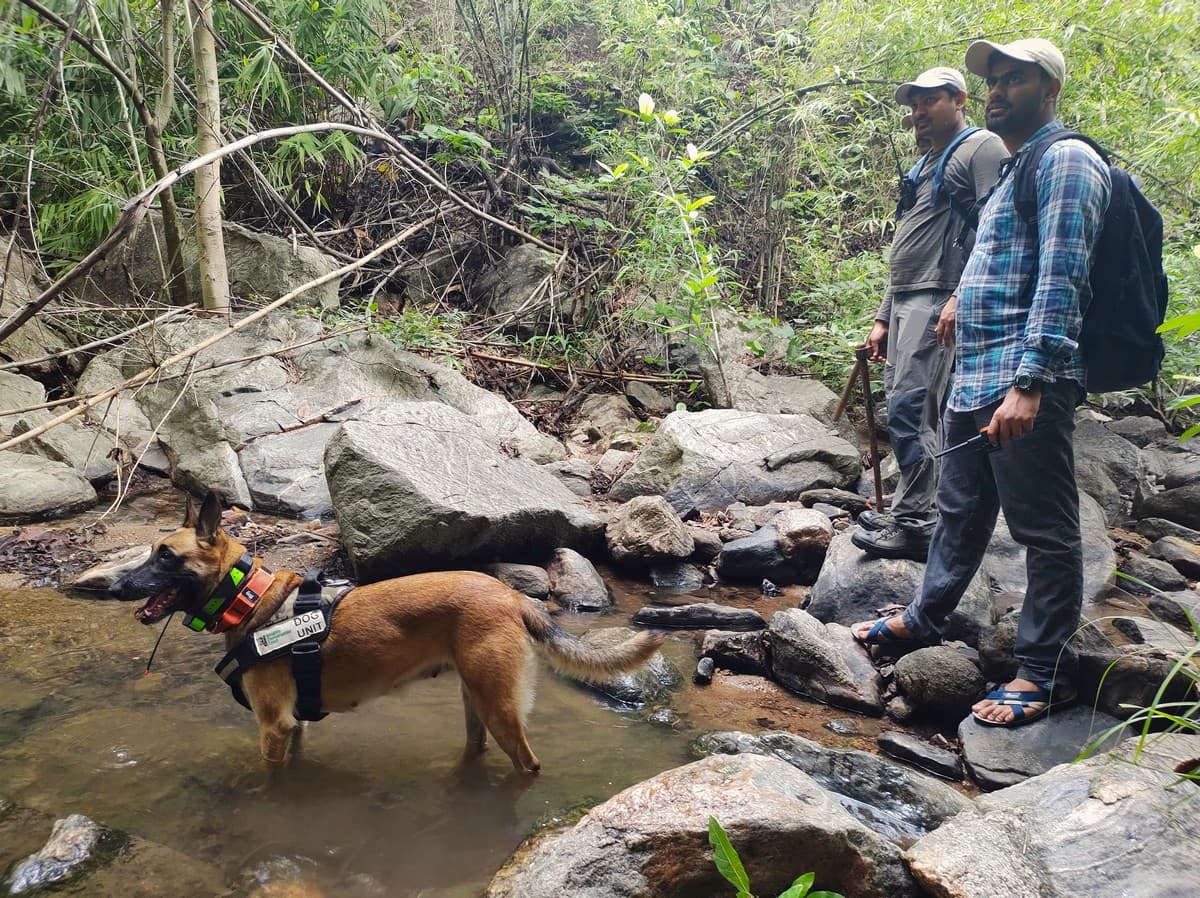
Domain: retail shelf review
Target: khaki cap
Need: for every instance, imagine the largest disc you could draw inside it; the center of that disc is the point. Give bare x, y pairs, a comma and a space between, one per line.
942, 76
1031, 49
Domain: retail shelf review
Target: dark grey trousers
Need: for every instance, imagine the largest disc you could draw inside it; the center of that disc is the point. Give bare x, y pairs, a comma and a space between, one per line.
1033, 481
915, 380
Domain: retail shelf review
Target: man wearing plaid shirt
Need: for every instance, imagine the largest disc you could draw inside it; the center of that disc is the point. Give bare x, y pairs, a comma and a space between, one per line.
1018, 376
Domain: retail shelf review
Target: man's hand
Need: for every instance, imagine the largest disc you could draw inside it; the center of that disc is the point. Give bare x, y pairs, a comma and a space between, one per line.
877, 341
945, 325
1014, 418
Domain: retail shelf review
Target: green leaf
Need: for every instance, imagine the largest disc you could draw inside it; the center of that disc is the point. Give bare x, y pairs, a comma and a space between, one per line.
825, 895
728, 863
800, 887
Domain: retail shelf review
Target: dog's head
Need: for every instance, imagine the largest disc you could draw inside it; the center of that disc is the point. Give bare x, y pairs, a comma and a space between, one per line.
183, 568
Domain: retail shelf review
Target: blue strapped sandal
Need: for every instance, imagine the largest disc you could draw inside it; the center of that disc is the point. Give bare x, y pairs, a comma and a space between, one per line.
1027, 704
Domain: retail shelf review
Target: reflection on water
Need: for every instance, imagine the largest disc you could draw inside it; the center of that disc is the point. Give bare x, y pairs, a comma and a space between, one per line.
374, 804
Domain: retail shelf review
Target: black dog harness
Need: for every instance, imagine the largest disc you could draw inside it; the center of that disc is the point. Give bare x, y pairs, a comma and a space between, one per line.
300, 636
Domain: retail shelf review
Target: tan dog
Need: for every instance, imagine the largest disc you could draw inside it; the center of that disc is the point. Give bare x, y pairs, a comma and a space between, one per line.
382, 636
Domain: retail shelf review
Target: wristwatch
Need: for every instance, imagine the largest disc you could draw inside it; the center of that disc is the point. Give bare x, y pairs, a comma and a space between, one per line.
1026, 383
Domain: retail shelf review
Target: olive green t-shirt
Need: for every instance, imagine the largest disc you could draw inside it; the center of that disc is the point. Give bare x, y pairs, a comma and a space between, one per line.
922, 257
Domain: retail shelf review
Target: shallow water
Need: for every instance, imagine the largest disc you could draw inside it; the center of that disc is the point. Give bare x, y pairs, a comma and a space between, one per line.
375, 804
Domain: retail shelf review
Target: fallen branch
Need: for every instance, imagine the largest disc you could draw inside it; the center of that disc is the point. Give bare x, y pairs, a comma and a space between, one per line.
8, 366
146, 374
322, 418
586, 372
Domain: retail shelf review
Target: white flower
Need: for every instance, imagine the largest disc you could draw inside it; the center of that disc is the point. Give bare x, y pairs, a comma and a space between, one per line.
646, 104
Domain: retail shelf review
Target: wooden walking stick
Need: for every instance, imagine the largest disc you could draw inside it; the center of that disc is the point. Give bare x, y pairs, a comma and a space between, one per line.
861, 373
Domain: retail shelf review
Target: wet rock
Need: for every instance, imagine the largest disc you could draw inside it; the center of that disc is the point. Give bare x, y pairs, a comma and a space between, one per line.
843, 726
1100, 827
852, 585
843, 499
938, 761
708, 460
646, 530
1180, 505
33, 488
749, 559
101, 576
652, 839
420, 486
1150, 574
573, 473
700, 616
895, 801
705, 668
575, 584
1182, 555
1180, 608
71, 844
901, 708
1004, 563
649, 683
823, 661
804, 536
677, 577
1138, 429
1157, 528
529, 579
997, 757
744, 653
940, 679
1124, 679
832, 511
708, 544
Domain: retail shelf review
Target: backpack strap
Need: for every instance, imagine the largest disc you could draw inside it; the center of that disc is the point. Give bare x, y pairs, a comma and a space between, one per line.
1025, 195
939, 171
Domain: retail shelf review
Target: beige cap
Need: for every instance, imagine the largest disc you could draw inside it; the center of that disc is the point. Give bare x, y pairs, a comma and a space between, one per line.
942, 76
906, 121
1031, 49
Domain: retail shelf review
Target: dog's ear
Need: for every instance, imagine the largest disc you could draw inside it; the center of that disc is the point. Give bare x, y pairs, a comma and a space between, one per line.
189, 513
208, 523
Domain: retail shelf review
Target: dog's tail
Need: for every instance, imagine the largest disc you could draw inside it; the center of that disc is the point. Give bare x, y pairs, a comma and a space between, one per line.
576, 658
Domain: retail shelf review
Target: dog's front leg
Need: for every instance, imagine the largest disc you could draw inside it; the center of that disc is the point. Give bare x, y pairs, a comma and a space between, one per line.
275, 739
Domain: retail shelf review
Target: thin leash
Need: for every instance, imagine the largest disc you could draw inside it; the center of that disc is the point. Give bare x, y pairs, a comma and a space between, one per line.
153, 651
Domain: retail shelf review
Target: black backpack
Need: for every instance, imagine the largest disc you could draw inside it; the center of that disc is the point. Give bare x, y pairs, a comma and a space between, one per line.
1120, 342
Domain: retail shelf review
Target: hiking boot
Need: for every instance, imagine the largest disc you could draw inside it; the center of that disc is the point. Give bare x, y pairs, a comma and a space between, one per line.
893, 542
876, 520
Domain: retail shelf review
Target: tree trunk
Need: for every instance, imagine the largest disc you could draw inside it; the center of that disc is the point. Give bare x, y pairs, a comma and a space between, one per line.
214, 279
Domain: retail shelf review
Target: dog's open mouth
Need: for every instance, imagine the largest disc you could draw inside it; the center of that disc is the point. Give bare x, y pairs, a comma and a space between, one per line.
157, 607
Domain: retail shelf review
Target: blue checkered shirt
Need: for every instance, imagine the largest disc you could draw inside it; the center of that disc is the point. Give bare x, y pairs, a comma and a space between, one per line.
1001, 333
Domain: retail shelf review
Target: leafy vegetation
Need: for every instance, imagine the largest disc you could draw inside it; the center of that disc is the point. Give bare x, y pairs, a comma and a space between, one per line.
696, 158
730, 866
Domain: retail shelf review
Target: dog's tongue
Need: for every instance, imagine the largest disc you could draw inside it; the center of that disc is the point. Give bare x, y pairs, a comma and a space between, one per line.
155, 607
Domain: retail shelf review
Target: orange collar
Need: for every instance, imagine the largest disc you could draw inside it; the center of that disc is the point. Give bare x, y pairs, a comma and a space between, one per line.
243, 603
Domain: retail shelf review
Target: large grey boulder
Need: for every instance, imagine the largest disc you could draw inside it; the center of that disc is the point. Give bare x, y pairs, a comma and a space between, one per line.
652, 839
705, 461
1003, 756
1107, 467
1004, 562
420, 486
208, 423
823, 661
262, 267
852, 585
84, 448
515, 292
33, 488
1100, 827
20, 283
777, 394
898, 803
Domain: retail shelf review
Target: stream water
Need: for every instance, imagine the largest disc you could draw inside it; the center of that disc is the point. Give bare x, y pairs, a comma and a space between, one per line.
374, 805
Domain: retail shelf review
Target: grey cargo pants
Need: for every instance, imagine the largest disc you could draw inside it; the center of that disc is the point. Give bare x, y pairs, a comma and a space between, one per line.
915, 378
